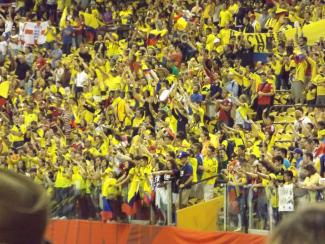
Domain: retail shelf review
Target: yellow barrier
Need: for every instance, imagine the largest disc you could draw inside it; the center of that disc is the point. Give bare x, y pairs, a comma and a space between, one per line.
202, 216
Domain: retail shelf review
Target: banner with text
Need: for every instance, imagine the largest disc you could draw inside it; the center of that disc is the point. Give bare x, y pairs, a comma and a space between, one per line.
262, 42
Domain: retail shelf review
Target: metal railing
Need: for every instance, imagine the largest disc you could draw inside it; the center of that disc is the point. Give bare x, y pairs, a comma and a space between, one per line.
258, 212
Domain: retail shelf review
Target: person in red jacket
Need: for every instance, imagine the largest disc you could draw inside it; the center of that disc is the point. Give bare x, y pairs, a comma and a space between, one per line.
264, 96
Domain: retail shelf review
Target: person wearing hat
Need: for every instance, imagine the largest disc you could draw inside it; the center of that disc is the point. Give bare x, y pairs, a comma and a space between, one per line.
23, 210
185, 178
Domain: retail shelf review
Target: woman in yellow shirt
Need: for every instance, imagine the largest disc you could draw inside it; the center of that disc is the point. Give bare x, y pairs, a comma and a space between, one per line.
109, 194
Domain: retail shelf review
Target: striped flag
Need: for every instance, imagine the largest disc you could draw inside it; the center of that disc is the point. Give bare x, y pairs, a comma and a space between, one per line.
33, 33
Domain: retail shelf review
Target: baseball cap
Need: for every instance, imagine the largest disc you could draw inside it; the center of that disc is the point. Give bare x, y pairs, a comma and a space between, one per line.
182, 155
298, 150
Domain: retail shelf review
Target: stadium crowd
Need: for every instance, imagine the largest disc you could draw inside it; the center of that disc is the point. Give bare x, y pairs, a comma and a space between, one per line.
103, 118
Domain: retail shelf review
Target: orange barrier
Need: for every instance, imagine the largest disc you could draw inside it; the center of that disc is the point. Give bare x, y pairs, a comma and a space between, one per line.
92, 232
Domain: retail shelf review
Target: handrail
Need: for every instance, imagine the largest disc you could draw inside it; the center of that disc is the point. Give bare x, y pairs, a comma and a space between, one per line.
277, 91
295, 105
206, 179
192, 184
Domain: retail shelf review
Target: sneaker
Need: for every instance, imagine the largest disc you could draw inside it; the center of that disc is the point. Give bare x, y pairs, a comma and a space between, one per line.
239, 229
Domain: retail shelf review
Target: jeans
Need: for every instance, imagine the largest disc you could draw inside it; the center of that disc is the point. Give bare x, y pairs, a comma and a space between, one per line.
242, 200
279, 82
52, 12
66, 48
77, 40
259, 111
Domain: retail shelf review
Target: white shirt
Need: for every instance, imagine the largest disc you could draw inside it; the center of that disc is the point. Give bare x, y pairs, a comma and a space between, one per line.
8, 25
58, 74
81, 78
301, 123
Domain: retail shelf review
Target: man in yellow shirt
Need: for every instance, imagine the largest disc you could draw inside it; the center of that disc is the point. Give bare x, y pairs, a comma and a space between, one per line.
210, 169
62, 184
320, 91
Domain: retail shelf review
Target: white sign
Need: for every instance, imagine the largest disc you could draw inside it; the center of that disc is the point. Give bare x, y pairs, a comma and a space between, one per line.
33, 33
286, 201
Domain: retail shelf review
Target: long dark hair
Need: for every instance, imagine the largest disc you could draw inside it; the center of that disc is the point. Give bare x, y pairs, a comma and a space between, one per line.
173, 163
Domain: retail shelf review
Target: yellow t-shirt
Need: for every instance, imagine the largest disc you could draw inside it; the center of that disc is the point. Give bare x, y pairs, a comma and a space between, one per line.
180, 24
50, 34
320, 83
210, 169
301, 70
14, 138
193, 162
62, 181
109, 189
77, 179
29, 118
225, 18
311, 94
114, 83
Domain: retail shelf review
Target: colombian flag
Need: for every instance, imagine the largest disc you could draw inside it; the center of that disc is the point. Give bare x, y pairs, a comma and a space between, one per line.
107, 213
130, 208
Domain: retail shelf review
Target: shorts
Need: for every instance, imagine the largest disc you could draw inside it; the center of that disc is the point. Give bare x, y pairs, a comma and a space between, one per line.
161, 197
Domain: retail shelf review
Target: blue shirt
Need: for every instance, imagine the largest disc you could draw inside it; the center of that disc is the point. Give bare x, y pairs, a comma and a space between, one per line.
298, 163
185, 173
67, 35
286, 163
196, 97
214, 89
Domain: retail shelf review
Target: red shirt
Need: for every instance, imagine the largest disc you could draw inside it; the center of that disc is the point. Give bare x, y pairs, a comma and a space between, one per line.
266, 88
40, 62
224, 115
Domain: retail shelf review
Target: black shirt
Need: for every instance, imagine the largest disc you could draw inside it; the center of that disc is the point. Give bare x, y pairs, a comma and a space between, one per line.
85, 56
21, 70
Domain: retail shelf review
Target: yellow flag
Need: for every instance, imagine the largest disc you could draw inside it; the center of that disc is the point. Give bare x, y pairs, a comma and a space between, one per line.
4, 89
314, 32
63, 18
